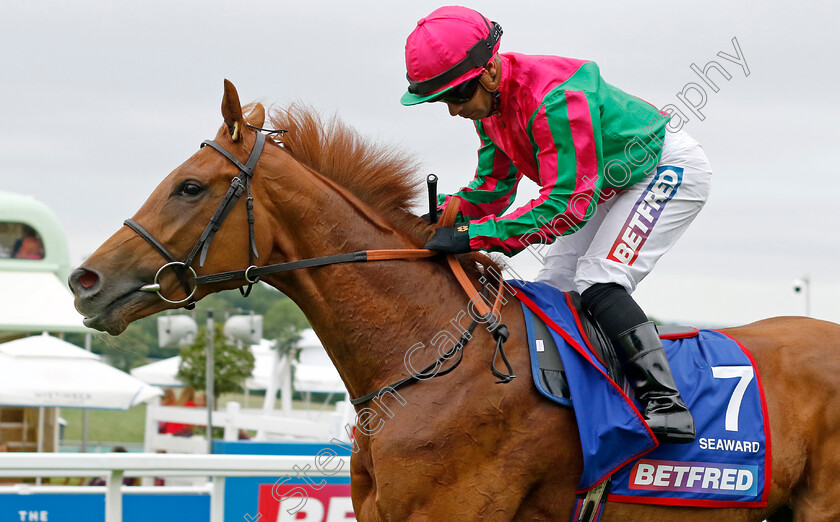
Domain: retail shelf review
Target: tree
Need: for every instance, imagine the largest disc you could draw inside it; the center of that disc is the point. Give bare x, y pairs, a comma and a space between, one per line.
262, 297
232, 364
283, 316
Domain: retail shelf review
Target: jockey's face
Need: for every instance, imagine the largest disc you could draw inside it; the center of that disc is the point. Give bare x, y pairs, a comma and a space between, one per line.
477, 108
481, 104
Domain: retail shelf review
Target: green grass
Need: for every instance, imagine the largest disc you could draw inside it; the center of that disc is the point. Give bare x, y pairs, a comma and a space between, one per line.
128, 426
106, 425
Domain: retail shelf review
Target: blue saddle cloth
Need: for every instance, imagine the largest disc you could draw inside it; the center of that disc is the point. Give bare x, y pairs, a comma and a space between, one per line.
729, 462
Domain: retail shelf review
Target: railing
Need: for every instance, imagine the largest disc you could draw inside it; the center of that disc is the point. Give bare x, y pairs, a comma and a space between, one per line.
327, 425
114, 466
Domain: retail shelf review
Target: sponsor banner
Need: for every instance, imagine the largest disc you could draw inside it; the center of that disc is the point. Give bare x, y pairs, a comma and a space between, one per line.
694, 477
310, 494
645, 214
90, 507
304, 503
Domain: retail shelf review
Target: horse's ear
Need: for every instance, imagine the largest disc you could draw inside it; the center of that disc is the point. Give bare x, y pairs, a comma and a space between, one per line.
232, 111
257, 116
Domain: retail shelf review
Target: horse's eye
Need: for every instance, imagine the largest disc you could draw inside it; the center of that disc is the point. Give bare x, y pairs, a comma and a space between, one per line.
190, 189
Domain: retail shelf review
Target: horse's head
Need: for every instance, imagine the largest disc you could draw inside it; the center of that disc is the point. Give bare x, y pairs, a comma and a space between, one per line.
350, 195
113, 286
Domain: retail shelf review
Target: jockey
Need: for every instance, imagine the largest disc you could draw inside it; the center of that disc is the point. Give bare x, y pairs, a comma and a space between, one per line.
607, 170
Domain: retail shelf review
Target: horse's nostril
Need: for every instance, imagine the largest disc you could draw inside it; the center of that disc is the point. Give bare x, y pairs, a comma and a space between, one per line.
88, 279
83, 280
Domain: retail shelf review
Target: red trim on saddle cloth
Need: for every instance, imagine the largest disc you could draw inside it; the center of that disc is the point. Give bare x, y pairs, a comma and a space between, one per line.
583, 336
574, 344
687, 502
767, 446
681, 335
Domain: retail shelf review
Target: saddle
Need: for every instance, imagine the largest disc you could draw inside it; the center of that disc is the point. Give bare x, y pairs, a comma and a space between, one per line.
551, 374
621, 456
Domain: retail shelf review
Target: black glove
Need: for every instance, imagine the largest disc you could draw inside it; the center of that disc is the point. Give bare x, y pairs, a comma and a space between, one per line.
451, 240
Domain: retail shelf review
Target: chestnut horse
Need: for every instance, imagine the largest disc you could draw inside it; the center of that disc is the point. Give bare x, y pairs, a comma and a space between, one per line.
461, 447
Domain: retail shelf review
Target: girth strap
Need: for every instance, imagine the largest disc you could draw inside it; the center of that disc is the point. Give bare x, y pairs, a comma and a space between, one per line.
591, 502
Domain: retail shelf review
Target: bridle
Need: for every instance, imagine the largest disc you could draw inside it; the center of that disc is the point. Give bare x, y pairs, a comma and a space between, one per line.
242, 183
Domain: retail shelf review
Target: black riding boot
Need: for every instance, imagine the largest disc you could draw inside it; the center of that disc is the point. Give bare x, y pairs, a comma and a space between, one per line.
646, 367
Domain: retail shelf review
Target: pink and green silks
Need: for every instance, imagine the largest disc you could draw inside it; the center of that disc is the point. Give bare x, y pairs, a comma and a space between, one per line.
561, 125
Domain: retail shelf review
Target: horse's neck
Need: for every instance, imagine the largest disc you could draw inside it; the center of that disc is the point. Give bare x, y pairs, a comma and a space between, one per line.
368, 315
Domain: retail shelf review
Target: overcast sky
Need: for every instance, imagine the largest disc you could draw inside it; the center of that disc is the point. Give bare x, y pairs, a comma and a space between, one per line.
101, 99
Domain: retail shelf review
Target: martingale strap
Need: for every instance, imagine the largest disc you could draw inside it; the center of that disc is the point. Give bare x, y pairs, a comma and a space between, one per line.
429, 371
432, 370
498, 329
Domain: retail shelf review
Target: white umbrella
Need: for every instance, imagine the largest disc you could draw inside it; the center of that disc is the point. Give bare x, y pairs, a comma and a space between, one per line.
46, 371
160, 373
264, 354
314, 373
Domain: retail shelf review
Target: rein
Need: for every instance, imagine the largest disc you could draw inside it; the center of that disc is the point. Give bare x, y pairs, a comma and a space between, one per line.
252, 274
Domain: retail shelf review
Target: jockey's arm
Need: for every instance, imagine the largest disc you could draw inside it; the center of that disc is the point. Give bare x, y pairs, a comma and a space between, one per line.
493, 189
569, 181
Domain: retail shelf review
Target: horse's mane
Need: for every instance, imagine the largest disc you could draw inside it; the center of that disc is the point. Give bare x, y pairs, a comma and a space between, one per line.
384, 178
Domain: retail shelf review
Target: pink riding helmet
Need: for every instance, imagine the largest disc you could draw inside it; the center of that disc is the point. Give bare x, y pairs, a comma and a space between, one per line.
448, 47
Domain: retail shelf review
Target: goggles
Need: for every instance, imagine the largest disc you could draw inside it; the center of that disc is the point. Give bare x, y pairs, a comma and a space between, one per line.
461, 93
